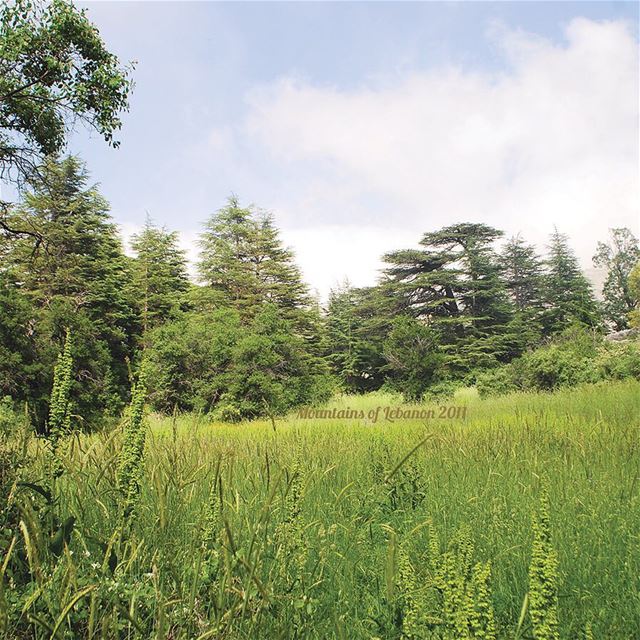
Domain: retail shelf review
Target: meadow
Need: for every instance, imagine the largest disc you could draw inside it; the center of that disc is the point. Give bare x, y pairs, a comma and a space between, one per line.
340, 528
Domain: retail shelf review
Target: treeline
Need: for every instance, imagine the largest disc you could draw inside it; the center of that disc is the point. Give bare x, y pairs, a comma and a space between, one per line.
457, 307
249, 339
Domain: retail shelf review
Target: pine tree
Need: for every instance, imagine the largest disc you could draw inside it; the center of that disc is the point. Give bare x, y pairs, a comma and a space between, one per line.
568, 297
159, 275
454, 285
75, 276
357, 322
244, 263
618, 257
522, 274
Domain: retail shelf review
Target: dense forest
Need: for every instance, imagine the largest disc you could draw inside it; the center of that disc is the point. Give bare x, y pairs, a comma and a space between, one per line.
248, 339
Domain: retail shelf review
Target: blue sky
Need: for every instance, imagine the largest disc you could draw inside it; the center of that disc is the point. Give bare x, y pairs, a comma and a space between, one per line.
334, 116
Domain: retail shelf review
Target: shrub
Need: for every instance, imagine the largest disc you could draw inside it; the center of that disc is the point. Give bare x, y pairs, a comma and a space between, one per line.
556, 366
414, 359
271, 371
496, 381
617, 361
189, 361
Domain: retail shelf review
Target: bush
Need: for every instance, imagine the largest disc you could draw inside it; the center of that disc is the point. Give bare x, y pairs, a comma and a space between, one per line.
556, 366
414, 360
495, 382
271, 371
190, 359
617, 361
576, 357
212, 363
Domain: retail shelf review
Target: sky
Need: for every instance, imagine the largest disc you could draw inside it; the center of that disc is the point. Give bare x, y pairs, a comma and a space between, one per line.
361, 126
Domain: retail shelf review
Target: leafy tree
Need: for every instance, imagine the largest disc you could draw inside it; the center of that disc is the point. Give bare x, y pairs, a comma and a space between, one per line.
159, 275
633, 282
54, 70
414, 359
618, 257
567, 295
76, 278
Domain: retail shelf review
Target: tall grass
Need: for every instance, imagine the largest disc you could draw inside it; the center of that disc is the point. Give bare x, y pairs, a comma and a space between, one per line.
315, 530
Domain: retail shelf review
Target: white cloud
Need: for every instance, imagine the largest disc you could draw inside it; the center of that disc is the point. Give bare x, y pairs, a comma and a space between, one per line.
328, 254
551, 140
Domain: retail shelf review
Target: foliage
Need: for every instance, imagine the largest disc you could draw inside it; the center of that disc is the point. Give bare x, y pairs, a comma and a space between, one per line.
160, 277
618, 257
131, 459
543, 576
358, 321
54, 69
414, 359
59, 423
522, 272
568, 298
454, 284
271, 372
189, 360
76, 278
575, 357
634, 289
210, 362
244, 264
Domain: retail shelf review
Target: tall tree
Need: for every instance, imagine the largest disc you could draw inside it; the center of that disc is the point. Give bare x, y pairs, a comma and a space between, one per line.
159, 274
522, 273
245, 265
568, 295
54, 70
618, 257
357, 322
77, 278
454, 285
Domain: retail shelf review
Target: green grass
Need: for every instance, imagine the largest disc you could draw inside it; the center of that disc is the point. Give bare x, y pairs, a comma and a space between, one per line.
309, 537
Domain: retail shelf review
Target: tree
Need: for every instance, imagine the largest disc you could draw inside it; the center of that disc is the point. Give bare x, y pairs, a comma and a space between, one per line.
568, 297
244, 265
633, 282
454, 285
357, 323
79, 279
522, 274
159, 275
618, 257
414, 359
17, 355
54, 70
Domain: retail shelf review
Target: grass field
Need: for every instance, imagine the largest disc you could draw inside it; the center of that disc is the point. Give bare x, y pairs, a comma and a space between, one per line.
322, 529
